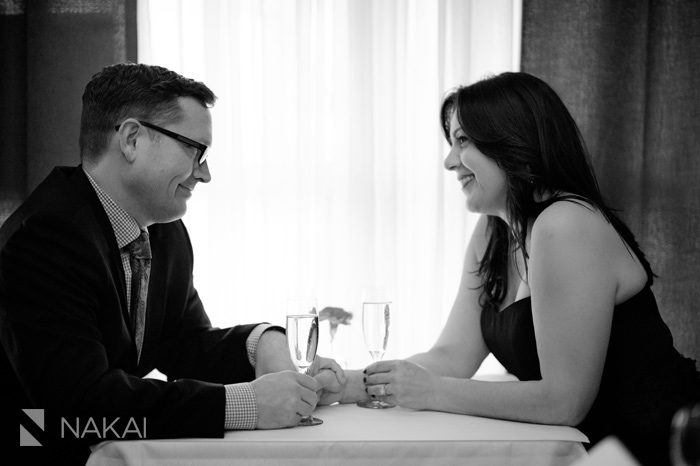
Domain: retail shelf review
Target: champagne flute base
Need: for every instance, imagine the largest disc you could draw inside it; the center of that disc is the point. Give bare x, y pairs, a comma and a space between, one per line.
310, 421
375, 404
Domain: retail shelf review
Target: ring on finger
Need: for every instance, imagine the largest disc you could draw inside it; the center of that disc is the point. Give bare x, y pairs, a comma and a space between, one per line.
382, 390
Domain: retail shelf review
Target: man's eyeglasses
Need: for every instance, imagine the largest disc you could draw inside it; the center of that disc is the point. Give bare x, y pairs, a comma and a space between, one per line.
202, 153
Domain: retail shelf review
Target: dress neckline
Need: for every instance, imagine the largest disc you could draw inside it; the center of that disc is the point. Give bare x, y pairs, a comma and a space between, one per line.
526, 298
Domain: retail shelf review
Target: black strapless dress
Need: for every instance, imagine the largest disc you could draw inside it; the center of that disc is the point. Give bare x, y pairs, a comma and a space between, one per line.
644, 382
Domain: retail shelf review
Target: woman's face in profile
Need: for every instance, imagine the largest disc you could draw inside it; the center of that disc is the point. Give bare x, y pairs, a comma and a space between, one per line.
482, 180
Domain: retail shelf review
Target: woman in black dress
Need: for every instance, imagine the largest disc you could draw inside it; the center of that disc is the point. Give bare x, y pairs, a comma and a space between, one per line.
554, 285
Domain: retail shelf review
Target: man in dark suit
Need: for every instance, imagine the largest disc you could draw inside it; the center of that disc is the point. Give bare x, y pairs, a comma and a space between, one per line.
83, 317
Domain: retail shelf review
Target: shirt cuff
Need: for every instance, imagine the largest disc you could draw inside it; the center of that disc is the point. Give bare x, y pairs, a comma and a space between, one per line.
253, 338
241, 407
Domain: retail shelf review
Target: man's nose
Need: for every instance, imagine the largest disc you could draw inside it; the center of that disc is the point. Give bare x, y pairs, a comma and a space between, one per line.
201, 172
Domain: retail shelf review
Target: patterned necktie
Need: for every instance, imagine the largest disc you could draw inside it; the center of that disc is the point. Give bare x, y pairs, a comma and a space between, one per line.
140, 261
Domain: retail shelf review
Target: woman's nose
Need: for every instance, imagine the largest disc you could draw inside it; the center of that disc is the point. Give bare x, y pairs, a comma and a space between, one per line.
452, 160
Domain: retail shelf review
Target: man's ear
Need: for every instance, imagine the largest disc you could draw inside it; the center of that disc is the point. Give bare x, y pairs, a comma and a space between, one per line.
128, 135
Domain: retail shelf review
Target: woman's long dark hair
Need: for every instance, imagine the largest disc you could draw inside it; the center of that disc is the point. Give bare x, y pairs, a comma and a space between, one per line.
519, 121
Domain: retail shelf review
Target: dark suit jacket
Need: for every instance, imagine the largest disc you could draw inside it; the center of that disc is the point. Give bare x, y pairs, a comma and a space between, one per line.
64, 321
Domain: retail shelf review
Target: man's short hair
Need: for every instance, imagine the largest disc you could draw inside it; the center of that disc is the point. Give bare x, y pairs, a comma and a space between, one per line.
130, 90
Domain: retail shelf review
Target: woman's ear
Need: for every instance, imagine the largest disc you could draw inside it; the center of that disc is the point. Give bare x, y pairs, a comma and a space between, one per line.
531, 177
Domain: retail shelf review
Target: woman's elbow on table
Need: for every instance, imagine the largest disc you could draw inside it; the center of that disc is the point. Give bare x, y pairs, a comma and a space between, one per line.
566, 407
573, 413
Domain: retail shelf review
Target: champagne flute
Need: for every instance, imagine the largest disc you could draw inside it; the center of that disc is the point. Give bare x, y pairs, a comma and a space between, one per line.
375, 327
302, 341
685, 436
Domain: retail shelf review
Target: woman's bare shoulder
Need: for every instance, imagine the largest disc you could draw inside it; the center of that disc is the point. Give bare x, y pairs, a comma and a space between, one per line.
572, 218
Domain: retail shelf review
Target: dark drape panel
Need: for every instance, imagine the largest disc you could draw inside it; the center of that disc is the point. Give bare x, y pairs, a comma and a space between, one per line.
630, 73
48, 52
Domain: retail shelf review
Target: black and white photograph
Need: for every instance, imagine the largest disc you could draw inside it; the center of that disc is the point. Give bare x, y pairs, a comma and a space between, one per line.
350, 232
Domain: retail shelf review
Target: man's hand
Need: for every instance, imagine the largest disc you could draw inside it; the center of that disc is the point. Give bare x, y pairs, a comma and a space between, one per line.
283, 398
272, 354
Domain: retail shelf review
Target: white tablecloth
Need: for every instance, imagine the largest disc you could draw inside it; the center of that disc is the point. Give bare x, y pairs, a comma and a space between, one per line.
357, 436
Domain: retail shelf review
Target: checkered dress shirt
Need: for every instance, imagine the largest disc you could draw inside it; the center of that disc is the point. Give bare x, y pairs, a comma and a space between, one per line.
241, 407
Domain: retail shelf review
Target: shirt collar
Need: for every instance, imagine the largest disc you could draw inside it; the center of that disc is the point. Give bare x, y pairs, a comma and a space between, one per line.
125, 227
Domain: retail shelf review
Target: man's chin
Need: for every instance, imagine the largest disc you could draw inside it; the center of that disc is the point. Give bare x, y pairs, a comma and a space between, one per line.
170, 215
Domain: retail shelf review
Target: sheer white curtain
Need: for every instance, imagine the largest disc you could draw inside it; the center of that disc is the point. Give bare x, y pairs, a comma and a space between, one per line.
327, 173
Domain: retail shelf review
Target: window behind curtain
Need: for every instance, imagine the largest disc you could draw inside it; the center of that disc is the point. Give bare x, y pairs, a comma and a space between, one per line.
327, 173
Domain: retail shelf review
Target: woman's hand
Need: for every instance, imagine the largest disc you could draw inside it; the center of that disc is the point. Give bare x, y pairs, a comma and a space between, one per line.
405, 383
331, 378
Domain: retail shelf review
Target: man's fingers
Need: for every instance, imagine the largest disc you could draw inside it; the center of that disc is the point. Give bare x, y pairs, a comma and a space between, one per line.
309, 382
309, 399
279, 396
